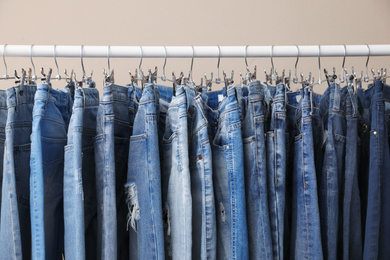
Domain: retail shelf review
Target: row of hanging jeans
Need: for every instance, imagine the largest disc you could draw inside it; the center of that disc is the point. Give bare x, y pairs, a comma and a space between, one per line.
247, 172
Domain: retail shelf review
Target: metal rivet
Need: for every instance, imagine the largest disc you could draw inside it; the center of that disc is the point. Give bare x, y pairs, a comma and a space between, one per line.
374, 133
254, 138
364, 128
200, 157
227, 146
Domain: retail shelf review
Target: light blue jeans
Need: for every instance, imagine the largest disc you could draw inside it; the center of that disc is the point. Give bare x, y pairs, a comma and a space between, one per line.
51, 115
114, 127
79, 176
143, 187
15, 212
3, 122
228, 175
204, 227
176, 183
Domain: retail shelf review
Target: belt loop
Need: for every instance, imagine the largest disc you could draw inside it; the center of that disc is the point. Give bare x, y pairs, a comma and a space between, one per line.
82, 92
336, 97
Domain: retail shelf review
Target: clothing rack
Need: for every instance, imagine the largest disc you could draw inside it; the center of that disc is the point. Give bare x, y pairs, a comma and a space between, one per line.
193, 51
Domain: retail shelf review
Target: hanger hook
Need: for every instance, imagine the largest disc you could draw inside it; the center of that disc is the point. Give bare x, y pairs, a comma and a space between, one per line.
58, 77
82, 62
272, 63
163, 78
34, 77
108, 59
246, 62
192, 63
5, 64
295, 80
218, 79
342, 66
366, 78
319, 65
140, 63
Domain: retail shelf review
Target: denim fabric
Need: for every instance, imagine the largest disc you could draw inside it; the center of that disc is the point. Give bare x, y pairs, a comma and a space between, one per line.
292, 104
276, 170
204, 227
331, 179
256, 187
352, 232
3, 122
377, 235
306, 232
176, 183
228, 175
143, 187
364, 105
15, 205
79, 177
114, 127
51, 115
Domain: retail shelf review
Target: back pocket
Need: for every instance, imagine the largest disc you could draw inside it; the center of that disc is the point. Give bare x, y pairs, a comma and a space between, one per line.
22, 172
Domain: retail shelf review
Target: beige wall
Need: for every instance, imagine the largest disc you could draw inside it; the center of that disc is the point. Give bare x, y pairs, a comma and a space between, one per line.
201, 22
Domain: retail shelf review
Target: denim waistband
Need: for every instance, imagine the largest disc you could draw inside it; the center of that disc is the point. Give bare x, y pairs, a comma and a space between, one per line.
86, 97
213, 98
15, 96
382, 92
59, 97
255, 91
3, 99
166, 93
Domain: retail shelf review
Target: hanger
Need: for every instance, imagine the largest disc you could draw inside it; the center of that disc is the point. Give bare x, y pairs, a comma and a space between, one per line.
33, 77
209, 82
269, 78
5, 76
108, 76
217, 79
295, 79
366, 77
20, 82
163, 78
46, 77
228, 81
189, 81
176, 81
342, 66
58, 76
319, 65
249, 76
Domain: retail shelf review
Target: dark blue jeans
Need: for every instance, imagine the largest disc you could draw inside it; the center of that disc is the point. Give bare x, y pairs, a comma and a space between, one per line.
306, 232
331, 179
3, 121
276, 170
377, 236
352, 232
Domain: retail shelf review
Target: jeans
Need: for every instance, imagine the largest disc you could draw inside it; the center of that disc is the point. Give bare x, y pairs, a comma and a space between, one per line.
204, 227
143, 187
256, 186
276, 170
15, 205
377, 235
228, 175
114, 127
331, 179
352, 232
51, 115
3, 122
364, 97
176, 183
306, 232
79, 178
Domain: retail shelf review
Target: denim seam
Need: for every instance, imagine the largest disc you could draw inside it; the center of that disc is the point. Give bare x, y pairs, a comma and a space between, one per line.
232, 195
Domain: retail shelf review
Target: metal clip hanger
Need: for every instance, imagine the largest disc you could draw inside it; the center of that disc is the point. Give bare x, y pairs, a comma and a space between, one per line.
228, 81
176, 81
209, 82
46, 77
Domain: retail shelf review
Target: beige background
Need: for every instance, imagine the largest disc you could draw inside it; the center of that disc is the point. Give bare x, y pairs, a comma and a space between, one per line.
173, 22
